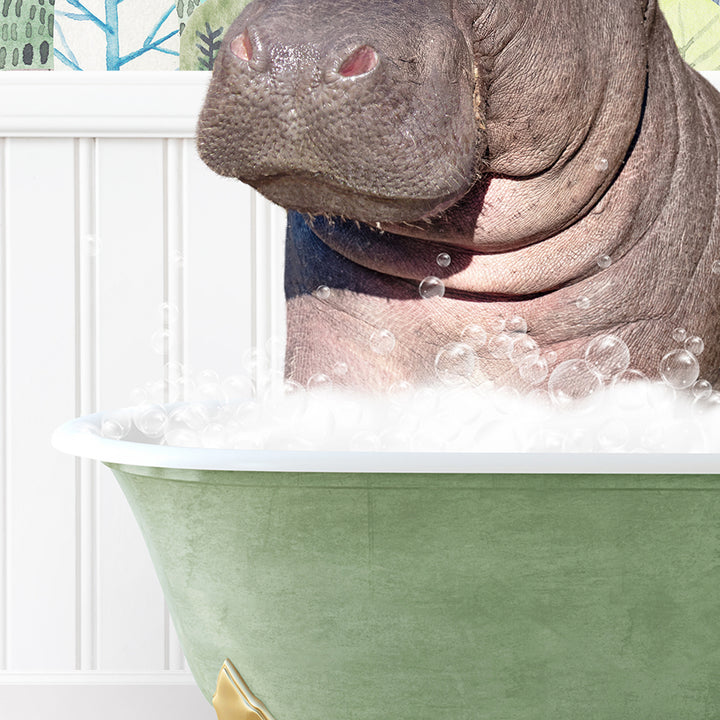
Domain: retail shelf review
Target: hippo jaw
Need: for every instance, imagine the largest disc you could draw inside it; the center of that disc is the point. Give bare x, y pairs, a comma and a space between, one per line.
349, 117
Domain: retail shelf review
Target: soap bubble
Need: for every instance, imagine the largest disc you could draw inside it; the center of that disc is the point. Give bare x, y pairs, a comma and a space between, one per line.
193, 416
290, 387
91, 244
151, 420
607, 355
694, 344
139, 396
679, 369
322, 292
702, 389
601, 165
474, 336
443, 259
500, 346
169, 313
340, 369
533, 370
551, 357
715, 267
583, 303
679, 334
432, 287
159, 341
382, 342
524, 350
162, 391
496, 325
116, 425
319, 381
211, 394
237, 388
516, 324
252, 361
455, 363
603, 261
573, 380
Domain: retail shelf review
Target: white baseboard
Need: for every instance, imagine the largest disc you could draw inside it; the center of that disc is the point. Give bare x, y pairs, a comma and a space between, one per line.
73, 696
101, 104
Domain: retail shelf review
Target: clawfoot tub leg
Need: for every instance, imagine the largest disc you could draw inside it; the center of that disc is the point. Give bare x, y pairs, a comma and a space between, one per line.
233, 699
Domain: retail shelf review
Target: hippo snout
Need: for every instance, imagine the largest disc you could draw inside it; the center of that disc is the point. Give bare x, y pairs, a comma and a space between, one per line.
327, 109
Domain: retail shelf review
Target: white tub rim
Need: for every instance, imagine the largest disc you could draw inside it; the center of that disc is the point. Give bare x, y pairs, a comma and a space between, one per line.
74, 438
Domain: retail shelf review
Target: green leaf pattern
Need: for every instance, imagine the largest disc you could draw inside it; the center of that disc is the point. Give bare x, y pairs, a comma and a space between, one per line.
204, 30
696, 28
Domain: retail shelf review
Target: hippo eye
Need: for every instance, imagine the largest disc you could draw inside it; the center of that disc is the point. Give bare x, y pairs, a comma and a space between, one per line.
360, 61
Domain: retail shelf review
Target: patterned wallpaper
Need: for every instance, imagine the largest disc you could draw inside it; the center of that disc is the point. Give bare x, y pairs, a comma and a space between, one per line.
186, 34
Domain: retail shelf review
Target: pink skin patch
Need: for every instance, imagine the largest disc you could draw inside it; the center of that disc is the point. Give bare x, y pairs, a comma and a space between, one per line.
361, 61
241, 46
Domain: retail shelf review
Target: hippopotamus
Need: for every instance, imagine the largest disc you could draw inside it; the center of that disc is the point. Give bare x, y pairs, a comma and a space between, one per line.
548, 169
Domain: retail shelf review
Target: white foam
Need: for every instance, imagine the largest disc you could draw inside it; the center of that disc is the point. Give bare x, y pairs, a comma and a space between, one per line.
638, 417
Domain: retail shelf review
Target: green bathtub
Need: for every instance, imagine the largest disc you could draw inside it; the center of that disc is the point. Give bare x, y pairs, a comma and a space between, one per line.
415, 587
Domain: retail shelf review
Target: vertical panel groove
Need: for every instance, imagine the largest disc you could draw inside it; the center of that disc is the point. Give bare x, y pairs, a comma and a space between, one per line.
175, 203
4, 412
255, 228
86, 388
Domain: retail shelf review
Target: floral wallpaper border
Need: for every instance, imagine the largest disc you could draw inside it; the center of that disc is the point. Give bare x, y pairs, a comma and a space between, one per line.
186, 34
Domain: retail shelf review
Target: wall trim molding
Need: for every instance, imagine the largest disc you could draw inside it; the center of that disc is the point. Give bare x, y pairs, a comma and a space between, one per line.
101, 104
111, 104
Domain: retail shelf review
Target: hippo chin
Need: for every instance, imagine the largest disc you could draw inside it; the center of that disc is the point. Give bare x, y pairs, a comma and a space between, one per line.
552, 161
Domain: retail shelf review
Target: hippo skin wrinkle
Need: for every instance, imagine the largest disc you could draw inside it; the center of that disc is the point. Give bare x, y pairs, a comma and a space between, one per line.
524, 138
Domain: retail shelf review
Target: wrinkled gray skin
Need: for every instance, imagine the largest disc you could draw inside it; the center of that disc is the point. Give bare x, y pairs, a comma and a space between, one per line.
477, 129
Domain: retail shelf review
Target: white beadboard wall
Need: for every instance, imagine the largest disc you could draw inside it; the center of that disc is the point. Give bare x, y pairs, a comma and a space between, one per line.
106, 213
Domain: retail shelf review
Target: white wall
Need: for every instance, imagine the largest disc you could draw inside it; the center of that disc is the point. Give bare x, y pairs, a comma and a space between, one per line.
106, 213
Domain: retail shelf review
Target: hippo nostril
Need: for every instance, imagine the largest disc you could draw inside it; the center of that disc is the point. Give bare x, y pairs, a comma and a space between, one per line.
241, 46
359, 62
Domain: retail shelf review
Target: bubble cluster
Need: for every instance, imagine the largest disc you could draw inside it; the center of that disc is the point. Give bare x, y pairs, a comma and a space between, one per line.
257, 408
630, 414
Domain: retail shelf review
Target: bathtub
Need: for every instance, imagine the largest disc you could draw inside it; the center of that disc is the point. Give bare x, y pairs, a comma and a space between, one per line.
360, 586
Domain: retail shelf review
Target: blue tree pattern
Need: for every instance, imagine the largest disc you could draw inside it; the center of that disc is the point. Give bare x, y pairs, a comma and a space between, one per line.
110, 28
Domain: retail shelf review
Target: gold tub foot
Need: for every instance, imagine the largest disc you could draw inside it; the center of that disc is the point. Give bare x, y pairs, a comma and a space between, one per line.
233, 699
